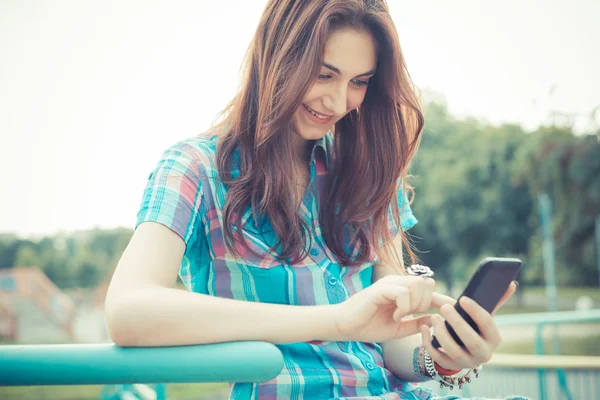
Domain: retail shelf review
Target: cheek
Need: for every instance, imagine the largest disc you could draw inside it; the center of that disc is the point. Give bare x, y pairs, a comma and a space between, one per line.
313, 93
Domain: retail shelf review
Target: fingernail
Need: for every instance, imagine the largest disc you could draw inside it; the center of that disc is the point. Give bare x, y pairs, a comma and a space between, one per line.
467, 301
516, 283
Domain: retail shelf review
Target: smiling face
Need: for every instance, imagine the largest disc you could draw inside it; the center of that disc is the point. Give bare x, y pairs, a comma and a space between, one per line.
348, 62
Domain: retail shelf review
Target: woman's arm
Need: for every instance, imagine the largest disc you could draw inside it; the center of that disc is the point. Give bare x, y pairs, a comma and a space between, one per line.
398, 354
398, 357
144, 309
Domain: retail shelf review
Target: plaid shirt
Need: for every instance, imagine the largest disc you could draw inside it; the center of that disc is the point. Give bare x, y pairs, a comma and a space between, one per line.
185, 194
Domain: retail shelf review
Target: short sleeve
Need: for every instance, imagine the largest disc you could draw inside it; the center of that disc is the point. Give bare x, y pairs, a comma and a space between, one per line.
173, 193
407, 218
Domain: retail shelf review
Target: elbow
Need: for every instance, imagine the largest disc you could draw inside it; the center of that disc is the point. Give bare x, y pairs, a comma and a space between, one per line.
119, 324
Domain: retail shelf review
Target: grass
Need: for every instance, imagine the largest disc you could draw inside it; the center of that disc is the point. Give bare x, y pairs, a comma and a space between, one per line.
567, 292
510, 309
92, 392
50, 392
587, 346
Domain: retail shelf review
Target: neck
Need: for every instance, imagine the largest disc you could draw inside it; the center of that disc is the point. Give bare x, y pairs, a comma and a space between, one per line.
300, 149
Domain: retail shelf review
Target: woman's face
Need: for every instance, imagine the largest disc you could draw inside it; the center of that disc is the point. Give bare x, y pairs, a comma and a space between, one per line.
348, 63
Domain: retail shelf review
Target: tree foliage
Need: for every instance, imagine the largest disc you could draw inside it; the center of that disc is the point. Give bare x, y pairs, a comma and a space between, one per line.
476, 191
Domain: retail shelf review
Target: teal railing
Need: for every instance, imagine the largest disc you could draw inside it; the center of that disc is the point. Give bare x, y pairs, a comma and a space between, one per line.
542, 321
103, 364
98, 364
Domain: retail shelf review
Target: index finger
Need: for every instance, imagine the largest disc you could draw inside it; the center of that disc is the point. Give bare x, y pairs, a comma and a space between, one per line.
438, 300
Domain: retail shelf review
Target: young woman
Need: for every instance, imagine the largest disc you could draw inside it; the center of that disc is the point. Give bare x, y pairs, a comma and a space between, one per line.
286, 221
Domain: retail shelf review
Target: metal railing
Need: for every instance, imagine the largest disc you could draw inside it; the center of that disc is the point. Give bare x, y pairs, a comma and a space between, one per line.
88, 364
541, 321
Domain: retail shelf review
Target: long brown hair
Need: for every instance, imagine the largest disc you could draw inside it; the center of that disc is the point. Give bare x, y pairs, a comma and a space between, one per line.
372, 145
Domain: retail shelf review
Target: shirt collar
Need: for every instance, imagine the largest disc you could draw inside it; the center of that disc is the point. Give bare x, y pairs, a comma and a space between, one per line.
323, 145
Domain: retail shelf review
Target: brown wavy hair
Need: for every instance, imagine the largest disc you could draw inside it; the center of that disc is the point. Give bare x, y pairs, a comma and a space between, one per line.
373, 144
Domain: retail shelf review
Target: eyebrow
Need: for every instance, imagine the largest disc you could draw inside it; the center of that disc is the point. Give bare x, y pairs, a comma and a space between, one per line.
336, 70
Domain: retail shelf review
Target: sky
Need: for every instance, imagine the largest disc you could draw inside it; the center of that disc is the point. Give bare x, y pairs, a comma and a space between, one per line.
92, 93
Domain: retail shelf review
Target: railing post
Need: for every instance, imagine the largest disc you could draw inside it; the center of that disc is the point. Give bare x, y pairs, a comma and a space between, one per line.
539, 350
161, 391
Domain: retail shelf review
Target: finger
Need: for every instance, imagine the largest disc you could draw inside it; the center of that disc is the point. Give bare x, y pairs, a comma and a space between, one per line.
438, 300
436, 355
428, 286
512, 288
416, 294
451, 348
487, 327
391, 294
412, 326
402, 301
476, 345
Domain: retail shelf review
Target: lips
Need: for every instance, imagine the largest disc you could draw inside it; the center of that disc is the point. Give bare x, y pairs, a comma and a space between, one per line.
316, 116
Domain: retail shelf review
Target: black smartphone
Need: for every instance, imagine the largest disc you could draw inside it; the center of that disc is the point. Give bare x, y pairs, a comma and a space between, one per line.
486, 287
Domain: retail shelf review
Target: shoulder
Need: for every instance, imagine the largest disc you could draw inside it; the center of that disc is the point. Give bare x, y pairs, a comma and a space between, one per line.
197, 154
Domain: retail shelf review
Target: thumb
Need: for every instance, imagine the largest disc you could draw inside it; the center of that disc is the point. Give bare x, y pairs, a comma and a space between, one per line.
412, 326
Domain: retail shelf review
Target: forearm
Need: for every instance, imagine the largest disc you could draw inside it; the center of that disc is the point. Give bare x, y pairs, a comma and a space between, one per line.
159, 316
398, 357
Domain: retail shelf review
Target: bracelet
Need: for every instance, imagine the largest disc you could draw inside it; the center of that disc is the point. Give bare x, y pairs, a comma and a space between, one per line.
419, 362
448, 381
429, 366
443, 371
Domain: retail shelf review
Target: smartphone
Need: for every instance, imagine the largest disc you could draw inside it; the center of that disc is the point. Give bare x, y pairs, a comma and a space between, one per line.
486, 287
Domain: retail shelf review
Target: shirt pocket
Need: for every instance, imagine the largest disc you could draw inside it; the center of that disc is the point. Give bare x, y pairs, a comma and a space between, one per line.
259, 237
259, 242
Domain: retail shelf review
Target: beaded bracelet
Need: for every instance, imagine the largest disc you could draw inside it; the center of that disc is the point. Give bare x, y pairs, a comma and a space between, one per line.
447, 380
450, 382
419, 362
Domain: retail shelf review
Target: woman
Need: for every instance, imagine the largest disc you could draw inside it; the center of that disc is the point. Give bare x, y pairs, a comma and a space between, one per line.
286, 220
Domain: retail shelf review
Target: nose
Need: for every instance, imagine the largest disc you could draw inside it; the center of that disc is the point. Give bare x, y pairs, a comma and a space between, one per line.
336, 100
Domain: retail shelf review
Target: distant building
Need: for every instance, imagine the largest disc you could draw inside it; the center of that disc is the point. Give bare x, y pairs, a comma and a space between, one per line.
33, 309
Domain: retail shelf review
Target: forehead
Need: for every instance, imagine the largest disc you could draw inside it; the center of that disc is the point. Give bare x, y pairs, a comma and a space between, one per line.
351, 51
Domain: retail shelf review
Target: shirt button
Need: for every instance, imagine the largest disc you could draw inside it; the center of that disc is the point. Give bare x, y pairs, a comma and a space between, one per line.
370, 366
314, 252
333, 281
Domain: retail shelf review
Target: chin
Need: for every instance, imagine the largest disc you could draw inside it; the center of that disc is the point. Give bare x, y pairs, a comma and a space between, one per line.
312, 134
308, 131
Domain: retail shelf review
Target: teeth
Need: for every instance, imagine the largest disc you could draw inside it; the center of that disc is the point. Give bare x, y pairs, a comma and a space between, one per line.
315, 114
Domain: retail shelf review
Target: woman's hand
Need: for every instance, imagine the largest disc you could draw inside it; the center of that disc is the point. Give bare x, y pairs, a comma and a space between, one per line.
376, 314
479, 347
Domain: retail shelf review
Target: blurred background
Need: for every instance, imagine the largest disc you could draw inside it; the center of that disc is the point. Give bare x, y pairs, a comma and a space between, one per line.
91, 93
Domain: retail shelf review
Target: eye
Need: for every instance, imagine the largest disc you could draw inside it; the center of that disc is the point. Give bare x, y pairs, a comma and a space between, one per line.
324, 77
360, 82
